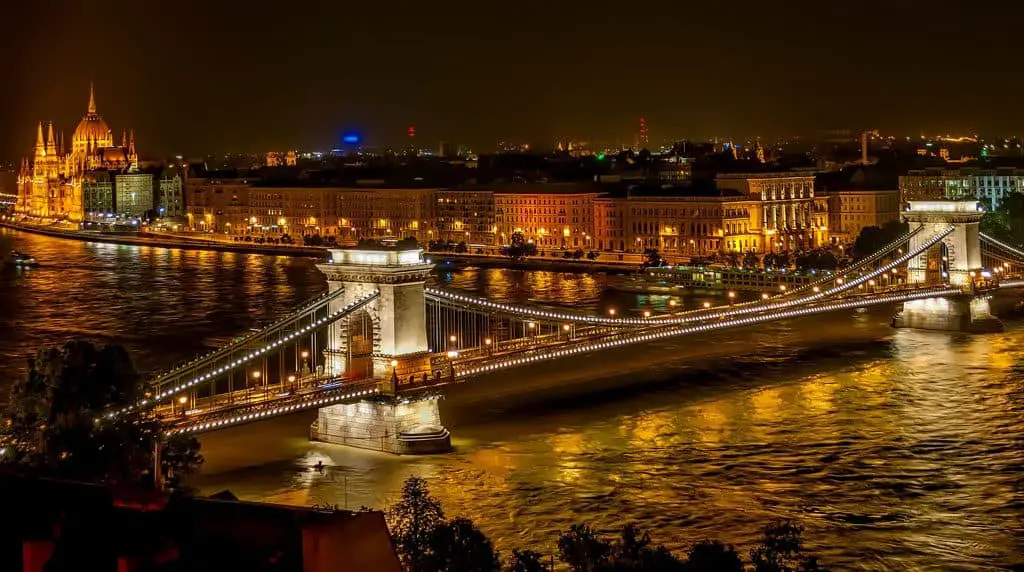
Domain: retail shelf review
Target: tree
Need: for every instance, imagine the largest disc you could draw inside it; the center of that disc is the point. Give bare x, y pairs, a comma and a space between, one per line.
412, 521
1007, 221
407, 243
633, 551
872, 238
652, 258
57, 423
526, 561
713, 556
582, 549
519, 248
750, 260
459, 546
733, 258
781, 550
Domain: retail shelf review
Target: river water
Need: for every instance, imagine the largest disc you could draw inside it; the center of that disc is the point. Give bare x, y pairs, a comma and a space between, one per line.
897, 449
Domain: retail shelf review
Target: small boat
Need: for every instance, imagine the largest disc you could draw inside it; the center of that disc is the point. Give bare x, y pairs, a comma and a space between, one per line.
22, 259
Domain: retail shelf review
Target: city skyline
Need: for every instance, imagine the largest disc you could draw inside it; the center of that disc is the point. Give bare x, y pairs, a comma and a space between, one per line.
221, 78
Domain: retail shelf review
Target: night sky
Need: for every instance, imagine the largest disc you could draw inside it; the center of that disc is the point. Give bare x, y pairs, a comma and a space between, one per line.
194, 77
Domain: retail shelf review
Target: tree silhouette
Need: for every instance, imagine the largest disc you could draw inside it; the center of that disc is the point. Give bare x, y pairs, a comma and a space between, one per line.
458, 546
781, 550
57, 422
412, 521
582, 549
713, 556
527, 561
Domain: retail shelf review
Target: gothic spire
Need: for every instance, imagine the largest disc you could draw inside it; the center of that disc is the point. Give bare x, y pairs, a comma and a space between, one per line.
131, 143
49, 138
124, 138
39, 135
92, 100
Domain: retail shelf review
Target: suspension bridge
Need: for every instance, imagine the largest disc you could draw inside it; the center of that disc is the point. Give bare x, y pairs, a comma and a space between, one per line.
375, 351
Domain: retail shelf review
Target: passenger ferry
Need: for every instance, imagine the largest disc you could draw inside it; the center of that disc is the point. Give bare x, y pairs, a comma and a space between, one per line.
668, 279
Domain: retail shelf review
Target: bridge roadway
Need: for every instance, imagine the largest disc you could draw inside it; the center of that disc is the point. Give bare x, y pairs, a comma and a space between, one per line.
245, 406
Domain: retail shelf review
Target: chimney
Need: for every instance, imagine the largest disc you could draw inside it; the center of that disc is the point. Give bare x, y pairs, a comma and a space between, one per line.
864, 148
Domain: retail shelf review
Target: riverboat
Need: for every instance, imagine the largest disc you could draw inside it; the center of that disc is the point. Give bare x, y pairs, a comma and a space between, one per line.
669, 279
22, 260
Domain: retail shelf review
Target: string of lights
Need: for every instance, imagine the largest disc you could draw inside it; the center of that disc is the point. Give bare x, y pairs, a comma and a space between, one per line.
337, 315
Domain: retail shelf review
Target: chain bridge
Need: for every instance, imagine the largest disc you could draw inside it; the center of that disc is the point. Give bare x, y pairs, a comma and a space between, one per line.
375, 352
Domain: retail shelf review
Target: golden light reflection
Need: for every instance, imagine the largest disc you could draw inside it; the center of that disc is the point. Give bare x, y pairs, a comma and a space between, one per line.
817, 395
566, 447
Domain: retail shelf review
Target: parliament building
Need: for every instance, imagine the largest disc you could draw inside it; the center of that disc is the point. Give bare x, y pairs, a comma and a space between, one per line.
50, 186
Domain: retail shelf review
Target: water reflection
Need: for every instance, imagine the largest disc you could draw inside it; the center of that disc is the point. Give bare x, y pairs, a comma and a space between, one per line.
897, 449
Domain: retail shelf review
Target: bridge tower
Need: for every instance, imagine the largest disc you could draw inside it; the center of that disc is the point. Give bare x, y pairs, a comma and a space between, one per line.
955, 260
387, 341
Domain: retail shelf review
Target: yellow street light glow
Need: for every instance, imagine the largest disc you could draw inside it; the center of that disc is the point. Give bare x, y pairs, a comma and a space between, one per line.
672, 302
531, 325
305, 354
611, 311
291, 378
764, 296
565, 327
487, 341
453, 354
816, 289
782, 287
731, 294
183, 400
256, 374
647, 313
452, 338
394, 363
707, 304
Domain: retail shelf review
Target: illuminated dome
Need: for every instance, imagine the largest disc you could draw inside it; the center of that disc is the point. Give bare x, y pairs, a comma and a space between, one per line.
91, 128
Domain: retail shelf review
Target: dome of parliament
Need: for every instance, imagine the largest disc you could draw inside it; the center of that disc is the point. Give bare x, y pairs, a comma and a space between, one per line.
92, 127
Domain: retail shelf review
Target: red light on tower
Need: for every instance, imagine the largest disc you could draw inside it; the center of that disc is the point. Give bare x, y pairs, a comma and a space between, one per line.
412, 131
643, 132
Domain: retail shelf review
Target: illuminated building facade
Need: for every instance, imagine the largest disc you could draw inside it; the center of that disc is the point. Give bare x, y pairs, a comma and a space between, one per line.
170, 195
989, 186
133, 195
677, 225
779, 214
789, 217
465, 216
553, 216
50, 186
850, 211
98, 194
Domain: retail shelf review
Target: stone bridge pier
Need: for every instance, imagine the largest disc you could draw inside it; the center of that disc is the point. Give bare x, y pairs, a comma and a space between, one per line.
385, 340
953, 261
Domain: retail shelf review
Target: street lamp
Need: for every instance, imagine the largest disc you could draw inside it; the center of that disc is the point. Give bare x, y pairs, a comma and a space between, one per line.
647, 313
732, 295
611, 311
764, 296
707, 304
305, 367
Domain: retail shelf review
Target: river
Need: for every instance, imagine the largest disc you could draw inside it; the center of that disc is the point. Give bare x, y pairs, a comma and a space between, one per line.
897, 449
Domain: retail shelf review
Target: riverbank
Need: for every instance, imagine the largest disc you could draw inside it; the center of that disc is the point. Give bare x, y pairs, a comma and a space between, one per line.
443, 259
156, 240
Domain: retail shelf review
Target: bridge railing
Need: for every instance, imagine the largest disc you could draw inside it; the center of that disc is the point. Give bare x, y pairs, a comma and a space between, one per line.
310, 306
